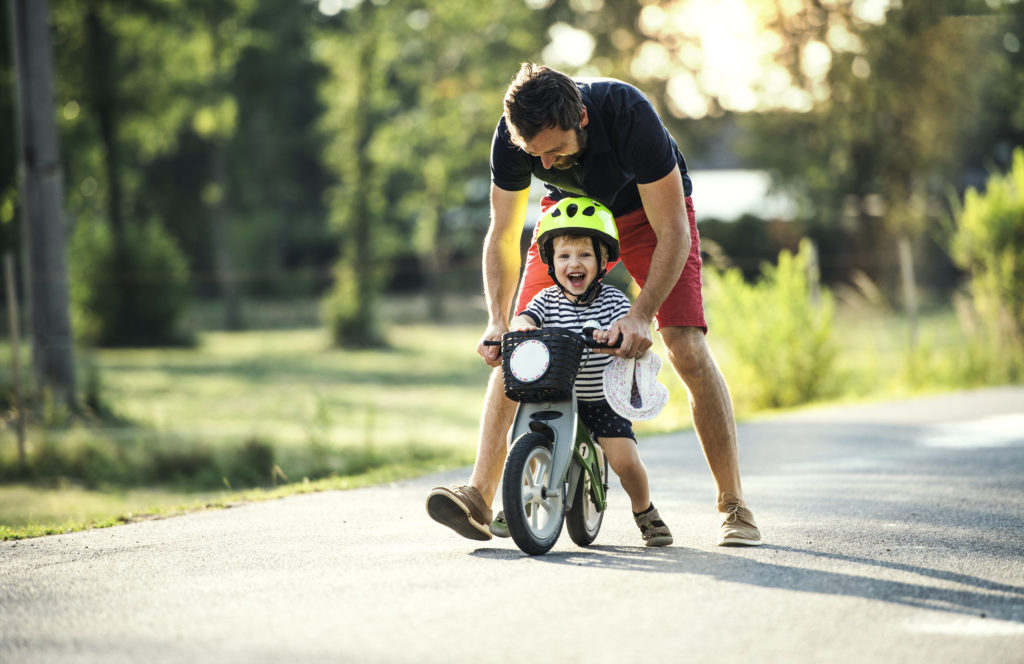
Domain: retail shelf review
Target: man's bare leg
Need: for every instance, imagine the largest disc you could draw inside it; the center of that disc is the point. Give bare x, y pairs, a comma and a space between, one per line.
466, 508
715, 424
710, 404
492, 447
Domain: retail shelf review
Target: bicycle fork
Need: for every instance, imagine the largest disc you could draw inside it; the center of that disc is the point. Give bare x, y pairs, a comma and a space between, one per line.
558, 422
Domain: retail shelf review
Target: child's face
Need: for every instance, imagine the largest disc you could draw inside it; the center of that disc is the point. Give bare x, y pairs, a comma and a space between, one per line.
576, 265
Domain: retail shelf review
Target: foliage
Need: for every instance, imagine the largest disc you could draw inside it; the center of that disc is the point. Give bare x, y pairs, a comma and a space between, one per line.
295, 128
410, 157
778, 331
200, 109
988, 244
893, 121
156, 270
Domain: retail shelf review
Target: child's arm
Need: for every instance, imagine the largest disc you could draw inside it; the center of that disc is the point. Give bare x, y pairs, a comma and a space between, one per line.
523, 322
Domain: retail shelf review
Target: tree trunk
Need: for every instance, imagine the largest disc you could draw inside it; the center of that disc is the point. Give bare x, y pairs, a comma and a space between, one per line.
906, 252
219, 233
221, 245
361, 251
437, 262
42, 202
102, 95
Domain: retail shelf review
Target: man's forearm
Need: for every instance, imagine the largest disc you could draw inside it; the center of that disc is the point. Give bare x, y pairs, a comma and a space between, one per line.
500, 277
501, 261
665, 205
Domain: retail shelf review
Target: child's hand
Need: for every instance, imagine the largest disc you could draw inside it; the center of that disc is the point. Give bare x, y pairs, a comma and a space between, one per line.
523, 323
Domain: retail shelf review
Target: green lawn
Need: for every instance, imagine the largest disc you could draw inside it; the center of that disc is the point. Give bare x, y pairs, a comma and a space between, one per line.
269, 407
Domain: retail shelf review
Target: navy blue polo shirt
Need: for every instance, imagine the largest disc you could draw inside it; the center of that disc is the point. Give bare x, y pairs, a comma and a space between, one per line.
627, 144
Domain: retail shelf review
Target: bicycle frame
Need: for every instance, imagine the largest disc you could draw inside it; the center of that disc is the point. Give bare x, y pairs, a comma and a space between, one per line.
559, 423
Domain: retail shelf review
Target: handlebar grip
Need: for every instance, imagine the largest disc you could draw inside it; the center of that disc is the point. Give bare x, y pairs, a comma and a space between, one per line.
588, 337
488, 342
597, 344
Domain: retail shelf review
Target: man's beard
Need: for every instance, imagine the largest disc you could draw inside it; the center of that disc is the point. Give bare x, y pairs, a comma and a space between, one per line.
565, 162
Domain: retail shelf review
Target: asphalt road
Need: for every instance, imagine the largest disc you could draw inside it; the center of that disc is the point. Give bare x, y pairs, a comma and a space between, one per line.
893, 533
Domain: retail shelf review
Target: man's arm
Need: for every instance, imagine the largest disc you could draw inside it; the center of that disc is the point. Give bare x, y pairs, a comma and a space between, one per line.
665, 206
501, 263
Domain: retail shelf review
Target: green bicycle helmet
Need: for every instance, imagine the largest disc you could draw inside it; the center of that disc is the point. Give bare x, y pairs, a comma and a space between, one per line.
579, 216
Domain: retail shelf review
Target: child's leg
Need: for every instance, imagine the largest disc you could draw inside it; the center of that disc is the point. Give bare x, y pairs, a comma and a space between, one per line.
624, 459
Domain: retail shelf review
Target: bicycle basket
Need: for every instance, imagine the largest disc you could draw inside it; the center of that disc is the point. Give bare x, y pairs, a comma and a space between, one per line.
540, 365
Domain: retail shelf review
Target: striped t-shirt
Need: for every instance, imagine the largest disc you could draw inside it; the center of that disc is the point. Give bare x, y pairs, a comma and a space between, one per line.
550, 308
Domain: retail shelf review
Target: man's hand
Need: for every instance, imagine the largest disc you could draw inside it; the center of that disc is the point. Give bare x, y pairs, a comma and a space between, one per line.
490, 353
635, 332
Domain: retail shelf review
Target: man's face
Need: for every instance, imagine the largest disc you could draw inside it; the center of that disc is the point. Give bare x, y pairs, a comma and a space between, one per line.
559, 148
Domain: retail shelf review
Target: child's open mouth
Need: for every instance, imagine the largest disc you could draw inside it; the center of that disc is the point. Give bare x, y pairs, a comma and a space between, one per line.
576, 279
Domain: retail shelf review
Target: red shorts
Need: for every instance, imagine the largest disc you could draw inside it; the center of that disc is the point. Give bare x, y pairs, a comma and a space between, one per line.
683, 307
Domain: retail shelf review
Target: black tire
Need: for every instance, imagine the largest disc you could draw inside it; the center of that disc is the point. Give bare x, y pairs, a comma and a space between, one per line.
534, 518
583, 521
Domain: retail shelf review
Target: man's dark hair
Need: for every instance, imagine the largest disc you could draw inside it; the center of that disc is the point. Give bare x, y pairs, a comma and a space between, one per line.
540, 98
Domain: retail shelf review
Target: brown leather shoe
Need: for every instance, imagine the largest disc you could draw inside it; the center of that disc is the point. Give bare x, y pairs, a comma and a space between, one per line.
461, 508
738, 526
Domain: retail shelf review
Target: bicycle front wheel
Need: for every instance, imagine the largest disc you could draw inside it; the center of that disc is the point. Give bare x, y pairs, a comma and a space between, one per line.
534, 514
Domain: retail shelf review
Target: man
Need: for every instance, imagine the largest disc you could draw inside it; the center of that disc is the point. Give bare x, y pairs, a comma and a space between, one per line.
603, 139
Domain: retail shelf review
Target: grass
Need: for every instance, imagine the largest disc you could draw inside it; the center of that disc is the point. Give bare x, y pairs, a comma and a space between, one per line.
33, 511
244, 410
256, 415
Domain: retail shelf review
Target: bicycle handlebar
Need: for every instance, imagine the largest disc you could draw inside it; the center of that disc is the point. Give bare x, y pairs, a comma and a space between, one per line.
588, 340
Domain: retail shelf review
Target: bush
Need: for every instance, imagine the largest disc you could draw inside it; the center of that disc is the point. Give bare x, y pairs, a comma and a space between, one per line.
988, 243
777, 332
136, 299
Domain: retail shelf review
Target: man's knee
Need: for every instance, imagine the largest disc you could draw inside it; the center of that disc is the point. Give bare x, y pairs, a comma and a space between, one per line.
687, 350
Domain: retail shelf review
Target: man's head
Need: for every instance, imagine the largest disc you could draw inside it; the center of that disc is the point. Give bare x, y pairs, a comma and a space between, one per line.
545, 115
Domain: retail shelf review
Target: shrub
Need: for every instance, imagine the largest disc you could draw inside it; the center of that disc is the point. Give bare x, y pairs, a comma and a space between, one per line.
777, 332
136, 299
988, 243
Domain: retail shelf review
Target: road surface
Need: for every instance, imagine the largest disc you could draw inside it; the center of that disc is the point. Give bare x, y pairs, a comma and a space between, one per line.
894, 533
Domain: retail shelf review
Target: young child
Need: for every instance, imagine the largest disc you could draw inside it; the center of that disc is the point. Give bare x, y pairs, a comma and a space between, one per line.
577, 239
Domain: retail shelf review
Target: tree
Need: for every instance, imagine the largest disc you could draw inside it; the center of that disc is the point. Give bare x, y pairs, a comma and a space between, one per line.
114, 122
890, 126
414, 94
42, 202
451, 91
222, 40
361, 98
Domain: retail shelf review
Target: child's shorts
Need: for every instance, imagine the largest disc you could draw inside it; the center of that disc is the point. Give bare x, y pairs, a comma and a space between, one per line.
603, 422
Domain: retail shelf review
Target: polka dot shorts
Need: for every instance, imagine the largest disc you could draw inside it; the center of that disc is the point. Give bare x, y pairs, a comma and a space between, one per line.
603, 422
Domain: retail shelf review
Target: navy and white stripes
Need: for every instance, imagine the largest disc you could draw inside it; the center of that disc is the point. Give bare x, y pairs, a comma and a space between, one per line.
550, 308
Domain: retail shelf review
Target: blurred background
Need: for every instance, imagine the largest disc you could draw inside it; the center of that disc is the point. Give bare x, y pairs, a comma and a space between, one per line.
245, 251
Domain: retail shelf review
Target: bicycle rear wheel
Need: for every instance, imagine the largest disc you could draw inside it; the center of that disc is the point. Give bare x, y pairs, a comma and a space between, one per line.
583, 520
534, 515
